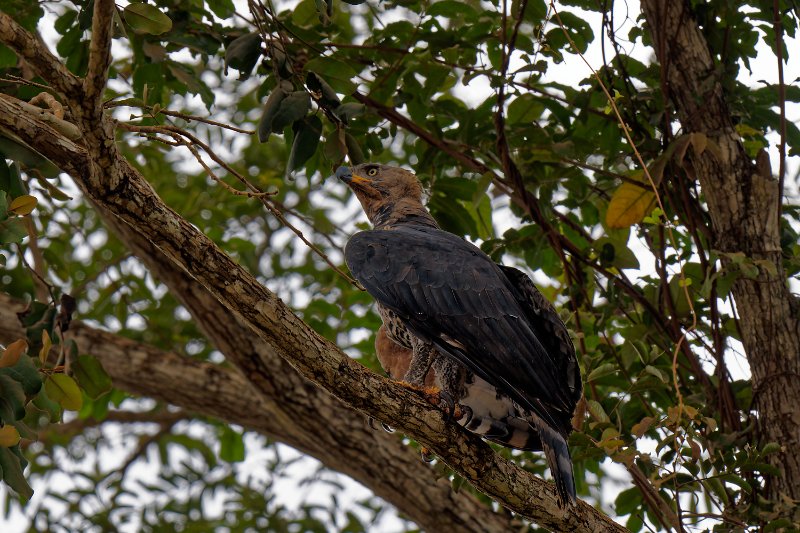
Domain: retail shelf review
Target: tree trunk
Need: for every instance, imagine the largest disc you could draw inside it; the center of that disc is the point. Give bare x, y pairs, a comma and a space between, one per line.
743, 202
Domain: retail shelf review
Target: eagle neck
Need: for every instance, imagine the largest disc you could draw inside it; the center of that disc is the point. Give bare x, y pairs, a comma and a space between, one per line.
390, 216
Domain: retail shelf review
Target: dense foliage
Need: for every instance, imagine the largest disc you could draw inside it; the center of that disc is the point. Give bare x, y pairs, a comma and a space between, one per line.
551, 183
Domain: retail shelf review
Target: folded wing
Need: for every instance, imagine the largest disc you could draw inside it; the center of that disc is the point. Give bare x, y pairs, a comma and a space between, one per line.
490, 318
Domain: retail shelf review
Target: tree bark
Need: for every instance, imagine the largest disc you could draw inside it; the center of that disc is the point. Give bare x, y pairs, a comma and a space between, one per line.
743, 203
313, 422
213, 286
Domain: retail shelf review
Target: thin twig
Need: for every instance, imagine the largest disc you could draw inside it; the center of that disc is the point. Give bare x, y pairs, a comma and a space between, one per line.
38, 276
184, 116
22, 81
778, 26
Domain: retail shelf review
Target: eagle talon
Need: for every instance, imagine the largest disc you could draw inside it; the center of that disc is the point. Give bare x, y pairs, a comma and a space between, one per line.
451, 404
426, 455
464, 415
445, 401
386, 427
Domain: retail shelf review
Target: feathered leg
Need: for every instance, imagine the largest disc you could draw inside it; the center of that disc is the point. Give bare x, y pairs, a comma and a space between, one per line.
421, 361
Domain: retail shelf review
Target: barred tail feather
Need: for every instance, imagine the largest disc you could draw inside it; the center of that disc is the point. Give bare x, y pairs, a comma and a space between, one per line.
558, 459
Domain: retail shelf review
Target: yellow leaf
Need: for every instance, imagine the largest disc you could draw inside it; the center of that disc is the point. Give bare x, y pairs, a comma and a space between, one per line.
22, 205
9, 436
699, 142
640, 428
691, 411
674, 415
62, 388
46, 345
748, 131
629, 204
12, 353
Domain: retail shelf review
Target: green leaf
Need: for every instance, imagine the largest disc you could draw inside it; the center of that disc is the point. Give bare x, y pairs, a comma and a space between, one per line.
271, 108
452, 9
91, 376
739, 481
148, 82
306, 139
43, 403
597, 411
26, 374
535, 10
602, 370
221, 8
452, 215
576, 27
771, 447
69, 42
628, 501
62, 388
354, 152
25, 431
87, 13
292, 108
144, 18
657, 372
12, 230
337, 73
5, 177
16, 186
231, 445
7, 57
12, 400
614, 252
715, 486
243, 53
12, 464
15, 149
524, 109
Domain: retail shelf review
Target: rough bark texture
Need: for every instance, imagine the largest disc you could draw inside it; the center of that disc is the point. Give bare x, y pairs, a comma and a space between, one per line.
743, 203
304, 423
211, 285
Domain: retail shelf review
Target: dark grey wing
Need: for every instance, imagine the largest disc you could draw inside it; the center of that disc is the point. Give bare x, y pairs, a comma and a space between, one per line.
450, 293
548, 327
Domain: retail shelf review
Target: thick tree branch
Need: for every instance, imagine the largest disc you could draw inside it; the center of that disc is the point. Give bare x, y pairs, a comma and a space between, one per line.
39, 57
94, 84
296, 413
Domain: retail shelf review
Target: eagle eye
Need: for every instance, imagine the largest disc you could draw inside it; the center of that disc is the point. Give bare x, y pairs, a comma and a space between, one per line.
372, 172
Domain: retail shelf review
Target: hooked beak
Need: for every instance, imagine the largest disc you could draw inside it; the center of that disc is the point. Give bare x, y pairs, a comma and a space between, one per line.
347, 176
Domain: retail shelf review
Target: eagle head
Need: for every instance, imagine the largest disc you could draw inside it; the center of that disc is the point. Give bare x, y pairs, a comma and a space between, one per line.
387, 194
